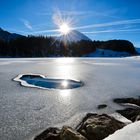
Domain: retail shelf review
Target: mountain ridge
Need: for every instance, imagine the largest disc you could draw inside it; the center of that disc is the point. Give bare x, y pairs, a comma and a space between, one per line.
7, 36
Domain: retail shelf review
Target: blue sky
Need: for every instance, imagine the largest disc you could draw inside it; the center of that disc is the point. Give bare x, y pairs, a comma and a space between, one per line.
98, 19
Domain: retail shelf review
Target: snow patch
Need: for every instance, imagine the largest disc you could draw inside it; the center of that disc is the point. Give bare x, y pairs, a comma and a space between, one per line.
106, 53
129, 132
121, 118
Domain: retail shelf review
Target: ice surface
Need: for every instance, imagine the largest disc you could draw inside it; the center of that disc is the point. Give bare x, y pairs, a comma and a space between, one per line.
24, 112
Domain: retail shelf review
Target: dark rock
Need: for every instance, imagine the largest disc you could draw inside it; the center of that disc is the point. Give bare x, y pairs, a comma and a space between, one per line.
49, 134
130, 113
97, 127
102, 106
128, 100
67, 133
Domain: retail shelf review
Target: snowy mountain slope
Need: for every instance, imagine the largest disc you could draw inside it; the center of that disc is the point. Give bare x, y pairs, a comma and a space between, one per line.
107, 53
73, 36
138, 50
7, 36
130, 132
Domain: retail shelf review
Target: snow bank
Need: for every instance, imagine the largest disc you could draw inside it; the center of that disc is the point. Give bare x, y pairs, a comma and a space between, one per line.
129, 132
121, 118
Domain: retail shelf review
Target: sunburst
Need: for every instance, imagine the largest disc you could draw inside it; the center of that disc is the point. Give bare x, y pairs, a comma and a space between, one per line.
64, 29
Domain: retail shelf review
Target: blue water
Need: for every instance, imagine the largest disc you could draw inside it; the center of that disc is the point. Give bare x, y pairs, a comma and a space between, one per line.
44, 82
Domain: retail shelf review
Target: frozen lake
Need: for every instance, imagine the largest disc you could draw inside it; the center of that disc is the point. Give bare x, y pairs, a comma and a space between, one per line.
26, 111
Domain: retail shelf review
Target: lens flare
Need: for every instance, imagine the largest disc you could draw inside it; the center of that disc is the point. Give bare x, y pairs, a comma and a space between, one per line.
64, 29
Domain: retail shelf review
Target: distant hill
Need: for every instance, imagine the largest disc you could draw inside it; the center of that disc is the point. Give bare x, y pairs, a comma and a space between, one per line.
118, 45
7, 36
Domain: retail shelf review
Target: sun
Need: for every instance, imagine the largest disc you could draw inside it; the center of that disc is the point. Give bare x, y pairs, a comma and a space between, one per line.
64, 29
65, 84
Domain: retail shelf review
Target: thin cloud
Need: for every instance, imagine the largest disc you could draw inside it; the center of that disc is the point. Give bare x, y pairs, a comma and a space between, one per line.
27, 24
45, 31
128, 23
99, 25
110, 31
121, 22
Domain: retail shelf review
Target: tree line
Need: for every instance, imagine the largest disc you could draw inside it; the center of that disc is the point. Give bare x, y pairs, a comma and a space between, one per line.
40, 46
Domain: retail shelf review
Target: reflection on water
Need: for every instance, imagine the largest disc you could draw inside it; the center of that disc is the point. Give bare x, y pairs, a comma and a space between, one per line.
64, 60
65, 68
64, 93
65, 96
64, 83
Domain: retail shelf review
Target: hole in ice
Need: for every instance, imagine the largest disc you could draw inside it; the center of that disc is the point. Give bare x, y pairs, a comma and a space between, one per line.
40, 81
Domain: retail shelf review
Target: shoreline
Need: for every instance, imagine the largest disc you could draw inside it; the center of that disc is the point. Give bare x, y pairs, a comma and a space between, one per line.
95, 126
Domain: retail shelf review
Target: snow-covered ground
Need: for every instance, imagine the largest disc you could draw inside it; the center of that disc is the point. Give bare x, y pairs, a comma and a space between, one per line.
107, 53
24, 112
138, 50
129, 132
